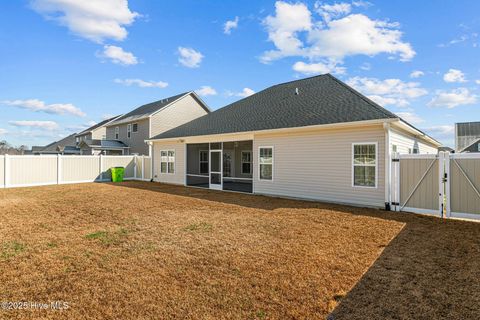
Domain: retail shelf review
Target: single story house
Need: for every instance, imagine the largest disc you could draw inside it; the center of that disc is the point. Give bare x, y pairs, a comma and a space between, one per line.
132, 129
315, 138
65, 146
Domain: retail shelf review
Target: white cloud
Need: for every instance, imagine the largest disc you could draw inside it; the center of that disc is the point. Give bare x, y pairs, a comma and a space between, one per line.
317, 68
388, 91
40, 106
283, 28
142, 83
189, 57
410, 117
230, 25
417, 74
329, 11
454, 75
446, 133
206, 91
118, 55
3, 131
246, 92
332, 38
452, 99
44, 125
477, 81
95, 20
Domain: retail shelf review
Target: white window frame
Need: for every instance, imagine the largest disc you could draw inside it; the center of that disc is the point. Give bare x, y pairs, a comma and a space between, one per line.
363, 165
129, 131
273, 163
174, 161
200, 162
251, 161
117, 133
133, 126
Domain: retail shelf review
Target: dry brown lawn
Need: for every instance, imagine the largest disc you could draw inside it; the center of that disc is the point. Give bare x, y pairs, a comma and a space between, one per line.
149, 251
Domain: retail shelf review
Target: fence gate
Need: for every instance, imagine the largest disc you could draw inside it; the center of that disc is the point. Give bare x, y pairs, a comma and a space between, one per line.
417, 183
463, 187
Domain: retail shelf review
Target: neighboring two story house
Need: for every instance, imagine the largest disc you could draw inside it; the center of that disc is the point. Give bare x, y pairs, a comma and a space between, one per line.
133, 128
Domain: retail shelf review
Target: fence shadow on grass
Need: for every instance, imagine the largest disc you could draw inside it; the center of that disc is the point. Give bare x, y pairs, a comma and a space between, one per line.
430, 270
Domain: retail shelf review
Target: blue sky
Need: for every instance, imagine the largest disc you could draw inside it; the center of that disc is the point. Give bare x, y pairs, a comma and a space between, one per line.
67, 64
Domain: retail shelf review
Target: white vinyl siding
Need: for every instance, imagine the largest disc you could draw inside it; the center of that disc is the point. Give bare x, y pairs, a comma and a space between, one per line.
407, 143
178, 177
182, 111
317, 165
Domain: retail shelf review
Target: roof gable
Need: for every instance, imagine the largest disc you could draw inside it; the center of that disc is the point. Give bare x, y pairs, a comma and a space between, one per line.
147, 109
96, 126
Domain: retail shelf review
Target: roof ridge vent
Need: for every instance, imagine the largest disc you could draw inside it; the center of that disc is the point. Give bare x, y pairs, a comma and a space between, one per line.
297, 92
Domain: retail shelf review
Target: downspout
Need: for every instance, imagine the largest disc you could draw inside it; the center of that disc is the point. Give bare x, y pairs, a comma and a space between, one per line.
388, 164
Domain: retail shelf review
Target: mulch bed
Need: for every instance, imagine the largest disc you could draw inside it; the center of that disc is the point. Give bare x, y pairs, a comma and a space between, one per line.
139, 250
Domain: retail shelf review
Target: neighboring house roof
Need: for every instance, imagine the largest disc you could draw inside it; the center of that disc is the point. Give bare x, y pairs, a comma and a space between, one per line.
151, 108
103, 144
57, 146
446, 149
98, 125
469, 147
312, 101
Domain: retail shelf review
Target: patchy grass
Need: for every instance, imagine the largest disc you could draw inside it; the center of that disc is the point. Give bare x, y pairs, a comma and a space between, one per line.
175, 252
202, 226
11, 249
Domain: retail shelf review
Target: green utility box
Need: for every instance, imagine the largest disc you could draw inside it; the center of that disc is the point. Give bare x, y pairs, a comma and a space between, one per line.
117, 174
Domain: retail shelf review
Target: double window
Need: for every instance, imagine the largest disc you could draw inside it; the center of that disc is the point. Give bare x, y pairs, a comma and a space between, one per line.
246, 162
135, 127
117, 132
265, 155
167, 161
365, 165
203, 161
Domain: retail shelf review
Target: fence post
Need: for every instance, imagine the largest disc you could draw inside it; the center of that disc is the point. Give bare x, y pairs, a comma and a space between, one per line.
59, 168
100, 174
448, 210
135, 167
6, 168
397, 174
441, 176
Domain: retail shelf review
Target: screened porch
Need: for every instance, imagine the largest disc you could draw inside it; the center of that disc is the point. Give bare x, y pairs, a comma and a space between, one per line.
221, 165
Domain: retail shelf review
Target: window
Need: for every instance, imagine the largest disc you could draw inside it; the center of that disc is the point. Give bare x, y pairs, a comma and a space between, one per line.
478, 147
365, 165
129, 131
117, 130
265, 155
135, 127
167, 161
77, 139
415, 150
394, 148
203, 161
246, 162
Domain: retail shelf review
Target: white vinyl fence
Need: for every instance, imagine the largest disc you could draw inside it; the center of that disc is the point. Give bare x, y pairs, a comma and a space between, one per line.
446, 185
26, 171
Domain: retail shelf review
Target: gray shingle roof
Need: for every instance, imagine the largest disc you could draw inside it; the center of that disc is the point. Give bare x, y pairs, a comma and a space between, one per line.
105, 143
98, 125
147, 109
321, 100
53, 147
